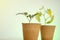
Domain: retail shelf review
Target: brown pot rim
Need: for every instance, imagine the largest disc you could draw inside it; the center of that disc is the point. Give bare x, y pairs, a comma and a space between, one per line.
31, 23
48, 25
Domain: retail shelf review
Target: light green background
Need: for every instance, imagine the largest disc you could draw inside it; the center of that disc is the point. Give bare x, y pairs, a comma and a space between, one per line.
11, 25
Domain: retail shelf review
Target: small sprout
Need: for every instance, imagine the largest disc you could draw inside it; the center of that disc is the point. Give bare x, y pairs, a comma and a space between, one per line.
49, 12
28, 16
46, 21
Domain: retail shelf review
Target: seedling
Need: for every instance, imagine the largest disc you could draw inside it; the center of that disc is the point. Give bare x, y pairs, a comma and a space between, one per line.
29, 16
49, 12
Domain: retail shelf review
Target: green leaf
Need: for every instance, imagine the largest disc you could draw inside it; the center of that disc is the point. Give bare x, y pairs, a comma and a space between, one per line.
29, 16
25, 13
52, 18
49, 11
34, 15
37, 18
19, 13
38, 14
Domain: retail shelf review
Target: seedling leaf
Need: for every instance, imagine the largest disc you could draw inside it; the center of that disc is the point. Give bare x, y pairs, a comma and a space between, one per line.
29, 16
50, 20
38, 14
49, 12
25, 13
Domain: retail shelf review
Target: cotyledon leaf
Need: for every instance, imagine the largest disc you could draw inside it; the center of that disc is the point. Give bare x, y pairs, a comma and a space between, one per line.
38, 14
52, 18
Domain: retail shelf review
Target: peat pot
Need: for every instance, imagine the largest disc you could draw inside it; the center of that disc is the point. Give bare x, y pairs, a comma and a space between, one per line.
47, 32
30, 31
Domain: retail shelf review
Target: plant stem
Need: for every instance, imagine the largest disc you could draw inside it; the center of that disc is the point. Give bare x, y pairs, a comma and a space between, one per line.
44, 18
30, 20
26, 17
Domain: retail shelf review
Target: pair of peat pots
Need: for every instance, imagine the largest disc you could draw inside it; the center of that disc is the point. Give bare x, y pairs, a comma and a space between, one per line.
31, 30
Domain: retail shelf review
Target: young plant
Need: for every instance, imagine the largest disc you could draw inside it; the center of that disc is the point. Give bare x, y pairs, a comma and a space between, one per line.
51, 17
49, 12
29, 16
